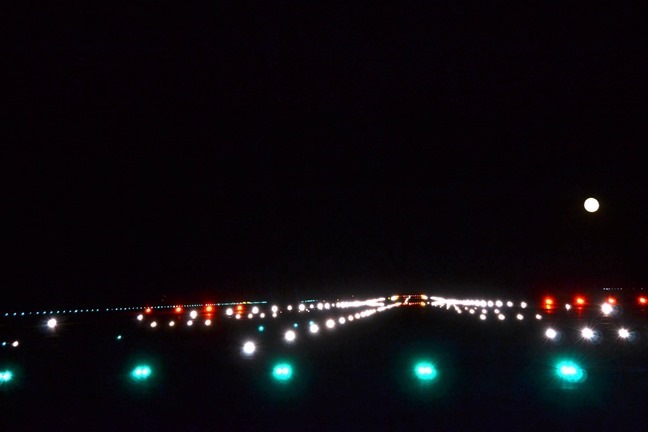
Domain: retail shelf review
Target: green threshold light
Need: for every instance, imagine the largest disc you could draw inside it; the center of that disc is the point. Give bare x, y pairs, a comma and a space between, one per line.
282, 372
141, 373
425, 371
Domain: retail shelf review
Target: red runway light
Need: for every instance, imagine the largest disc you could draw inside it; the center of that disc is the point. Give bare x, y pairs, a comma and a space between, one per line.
611, 300
178, 309
147, 310
580, 301
643, 300
209, 308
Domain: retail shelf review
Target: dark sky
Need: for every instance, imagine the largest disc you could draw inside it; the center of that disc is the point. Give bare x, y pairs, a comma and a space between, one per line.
282, 149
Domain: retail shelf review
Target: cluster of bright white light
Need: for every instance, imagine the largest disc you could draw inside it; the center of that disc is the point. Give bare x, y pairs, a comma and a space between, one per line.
472, 306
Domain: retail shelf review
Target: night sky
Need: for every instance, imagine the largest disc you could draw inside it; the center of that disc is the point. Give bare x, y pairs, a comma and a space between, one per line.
287, 150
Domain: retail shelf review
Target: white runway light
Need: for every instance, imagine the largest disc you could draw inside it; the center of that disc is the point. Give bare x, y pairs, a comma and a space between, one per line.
551, 334
51, 323
249, 348
591, 205
290, 336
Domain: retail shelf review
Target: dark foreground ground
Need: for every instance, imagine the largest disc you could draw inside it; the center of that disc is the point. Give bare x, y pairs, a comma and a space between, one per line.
492, 375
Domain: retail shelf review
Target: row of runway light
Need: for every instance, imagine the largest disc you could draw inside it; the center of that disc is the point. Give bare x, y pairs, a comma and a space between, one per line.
127, 308
498, 308
480, 307
425, 371
590, 334
290, 336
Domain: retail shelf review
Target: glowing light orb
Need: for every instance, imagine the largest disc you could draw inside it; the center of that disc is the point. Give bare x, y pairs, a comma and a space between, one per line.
153, 324
208, 322
591, 205
606, 308
425, 371
282, 372
624, 333
570, 372
51, 323
314, 328
551, 333
255, 310
330, 323
193, 314
249, 348
6, 376
141, 373
171, 323
140, 317
587, 333
189, 323
229, 312
290, 336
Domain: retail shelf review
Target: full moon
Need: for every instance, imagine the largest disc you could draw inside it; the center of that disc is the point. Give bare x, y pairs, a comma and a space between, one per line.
591, 205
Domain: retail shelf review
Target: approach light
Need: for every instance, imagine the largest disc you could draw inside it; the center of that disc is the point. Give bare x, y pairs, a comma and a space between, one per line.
643, 300
171, 323
51, 323
189, 323
208, 322
15, 344
193, 314
255, 310
140, 317
209, 308
548, 303
141, 373
580, 301
148, 310
229, 312
425, 371
611, 300
606, 308
178, 309
314, 328
330, 323
624, 333
282, 372
153, 324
